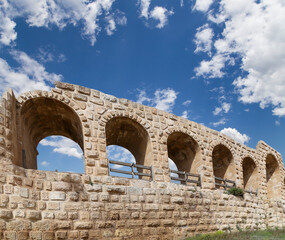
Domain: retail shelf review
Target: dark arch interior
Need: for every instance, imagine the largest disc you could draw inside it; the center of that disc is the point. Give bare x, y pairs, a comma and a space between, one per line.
129, 134
43, 117
271, 167
249, 174
223, 164
272, 176
182, 150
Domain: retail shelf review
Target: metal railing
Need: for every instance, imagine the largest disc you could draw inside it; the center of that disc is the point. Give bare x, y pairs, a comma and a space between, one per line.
252, 192
184, 177
220, 182
133, 173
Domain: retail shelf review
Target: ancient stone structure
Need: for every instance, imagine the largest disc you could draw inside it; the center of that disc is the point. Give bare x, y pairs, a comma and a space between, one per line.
53, 205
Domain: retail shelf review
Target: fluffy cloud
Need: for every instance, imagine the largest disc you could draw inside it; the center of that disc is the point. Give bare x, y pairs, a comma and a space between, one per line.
158, 13
63, 145
203, 39
225, 108
46, 13
253, 37
164, 99
236, 135
203, 5
161, 14
30, 75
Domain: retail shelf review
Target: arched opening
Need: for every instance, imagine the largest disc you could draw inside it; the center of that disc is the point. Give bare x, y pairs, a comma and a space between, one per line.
42, 117
120, 154
58, 153
223, 164
185, 153
272, 177
250, 181
129, 134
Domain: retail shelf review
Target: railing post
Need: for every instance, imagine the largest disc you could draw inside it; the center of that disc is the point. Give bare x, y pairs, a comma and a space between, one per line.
109, 167
132, 166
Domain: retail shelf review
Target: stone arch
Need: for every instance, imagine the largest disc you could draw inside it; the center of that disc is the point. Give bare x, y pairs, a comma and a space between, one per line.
273, 176
41, 114
184, 150
223, 161
249, 173
129, 133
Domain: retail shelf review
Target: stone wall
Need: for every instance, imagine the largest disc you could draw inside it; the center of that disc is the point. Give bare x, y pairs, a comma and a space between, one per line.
50, 205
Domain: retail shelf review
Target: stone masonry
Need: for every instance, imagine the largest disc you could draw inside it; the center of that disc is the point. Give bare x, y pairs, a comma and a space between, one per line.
54, 205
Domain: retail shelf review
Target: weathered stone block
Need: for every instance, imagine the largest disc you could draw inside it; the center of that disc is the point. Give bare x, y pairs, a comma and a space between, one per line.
34, 215
61, 186
57, 196
116, 189
6, 214
83, 225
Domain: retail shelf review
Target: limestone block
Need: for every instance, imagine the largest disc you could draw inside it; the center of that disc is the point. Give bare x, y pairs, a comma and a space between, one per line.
57, 196
6, 214
34, 215
65, 86
61, 186
80, 97
116, 189
83, 225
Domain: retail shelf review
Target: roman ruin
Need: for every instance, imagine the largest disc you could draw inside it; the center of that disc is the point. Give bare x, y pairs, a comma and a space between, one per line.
153, 203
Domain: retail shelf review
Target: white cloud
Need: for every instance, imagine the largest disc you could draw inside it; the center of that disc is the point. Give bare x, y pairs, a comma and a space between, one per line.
225, 108
203, 39
144, 6
253, 37
158, 13
217, 111
112, 21
30, 75
111, 27
161, 14
185, 114
186, 103
164, 99
212, 68
203, 5
44, 163
46, 13
142, 97
233, 133
220, 122
63, 145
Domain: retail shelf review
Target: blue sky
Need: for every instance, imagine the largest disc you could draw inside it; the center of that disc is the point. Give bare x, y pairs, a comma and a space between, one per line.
218, 63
